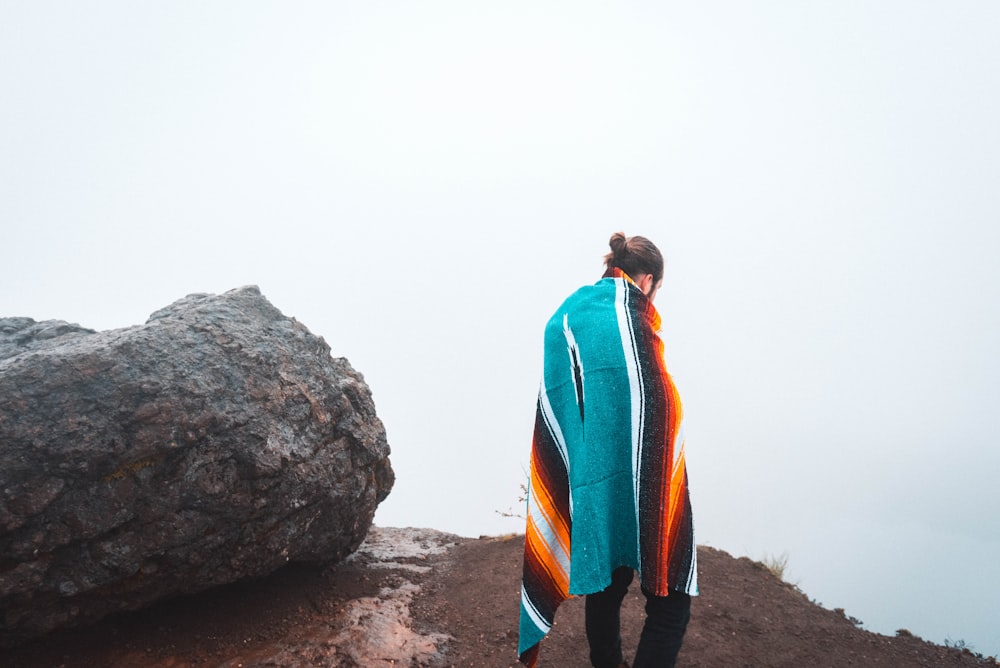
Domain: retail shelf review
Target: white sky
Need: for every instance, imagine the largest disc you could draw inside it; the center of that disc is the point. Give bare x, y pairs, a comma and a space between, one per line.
423, 183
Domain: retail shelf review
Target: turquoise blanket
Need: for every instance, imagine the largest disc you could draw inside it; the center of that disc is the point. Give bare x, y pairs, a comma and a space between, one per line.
608, 481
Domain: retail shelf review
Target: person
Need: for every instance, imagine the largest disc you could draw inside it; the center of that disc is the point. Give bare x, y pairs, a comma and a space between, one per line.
608, 487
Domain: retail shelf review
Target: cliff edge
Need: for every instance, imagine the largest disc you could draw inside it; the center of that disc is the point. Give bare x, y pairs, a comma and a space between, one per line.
418, 597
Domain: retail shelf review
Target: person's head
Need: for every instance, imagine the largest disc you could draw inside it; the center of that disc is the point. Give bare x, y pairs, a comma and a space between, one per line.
639, 258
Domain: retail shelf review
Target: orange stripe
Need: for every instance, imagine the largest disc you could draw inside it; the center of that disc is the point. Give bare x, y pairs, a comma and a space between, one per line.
546, 503
545, 557
678, 488
672, 493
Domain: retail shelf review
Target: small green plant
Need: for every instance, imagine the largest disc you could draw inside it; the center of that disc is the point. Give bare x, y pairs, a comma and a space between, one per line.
853, 620
777, 564
966, 648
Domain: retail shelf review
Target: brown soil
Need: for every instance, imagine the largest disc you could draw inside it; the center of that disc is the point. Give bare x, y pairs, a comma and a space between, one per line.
459, 607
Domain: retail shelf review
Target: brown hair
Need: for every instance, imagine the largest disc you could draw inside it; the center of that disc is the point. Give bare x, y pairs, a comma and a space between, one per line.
634, 256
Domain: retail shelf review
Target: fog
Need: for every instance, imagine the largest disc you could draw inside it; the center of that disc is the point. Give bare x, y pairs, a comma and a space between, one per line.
423, 183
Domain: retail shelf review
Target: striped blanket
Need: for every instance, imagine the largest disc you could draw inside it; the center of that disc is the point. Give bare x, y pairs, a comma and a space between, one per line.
608, 483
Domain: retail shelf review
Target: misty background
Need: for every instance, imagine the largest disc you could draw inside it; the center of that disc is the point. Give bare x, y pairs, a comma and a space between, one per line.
422, 183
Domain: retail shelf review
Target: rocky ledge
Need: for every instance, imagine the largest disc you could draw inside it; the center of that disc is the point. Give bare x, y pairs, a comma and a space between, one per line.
417, 597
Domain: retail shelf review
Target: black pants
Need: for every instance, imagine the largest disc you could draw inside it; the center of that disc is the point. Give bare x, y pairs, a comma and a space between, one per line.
666, 620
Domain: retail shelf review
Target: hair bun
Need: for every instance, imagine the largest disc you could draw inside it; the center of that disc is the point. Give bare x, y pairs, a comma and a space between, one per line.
634, 256
618, 243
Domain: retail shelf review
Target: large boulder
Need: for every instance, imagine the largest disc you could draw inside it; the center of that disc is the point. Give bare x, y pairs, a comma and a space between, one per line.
216, 442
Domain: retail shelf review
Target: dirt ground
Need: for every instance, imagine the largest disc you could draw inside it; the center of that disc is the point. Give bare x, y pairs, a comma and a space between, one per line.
422, 598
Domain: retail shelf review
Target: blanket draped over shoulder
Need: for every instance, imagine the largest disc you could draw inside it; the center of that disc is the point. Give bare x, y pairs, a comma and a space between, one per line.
608, 483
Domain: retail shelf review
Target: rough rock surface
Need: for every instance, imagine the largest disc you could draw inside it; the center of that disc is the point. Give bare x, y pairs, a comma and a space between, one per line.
216, 442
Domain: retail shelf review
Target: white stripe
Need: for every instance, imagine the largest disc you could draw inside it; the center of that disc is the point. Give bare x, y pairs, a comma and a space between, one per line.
635, 386
557, 435
678, 448
692, 583
533, 614
546, 530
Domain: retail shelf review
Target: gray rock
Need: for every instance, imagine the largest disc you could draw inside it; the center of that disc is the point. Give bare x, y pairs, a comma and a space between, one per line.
216, 442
